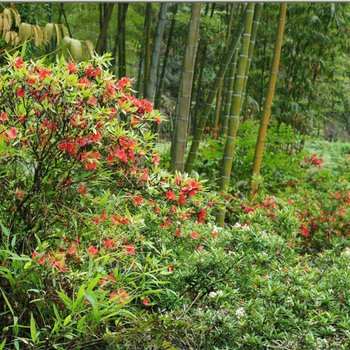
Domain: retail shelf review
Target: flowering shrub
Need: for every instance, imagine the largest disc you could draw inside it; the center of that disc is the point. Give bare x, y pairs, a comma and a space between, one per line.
69, 133
83, 201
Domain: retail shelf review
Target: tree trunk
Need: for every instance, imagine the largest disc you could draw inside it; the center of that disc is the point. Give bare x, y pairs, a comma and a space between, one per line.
211, 96
122, 10
158, 38
184, 101
255, 26
196, 93
236, 109
269, 97
219, 97
148, 20
229, 92
104, 29
165, 60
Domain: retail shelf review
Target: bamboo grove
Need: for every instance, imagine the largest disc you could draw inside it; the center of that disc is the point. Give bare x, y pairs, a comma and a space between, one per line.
208, 66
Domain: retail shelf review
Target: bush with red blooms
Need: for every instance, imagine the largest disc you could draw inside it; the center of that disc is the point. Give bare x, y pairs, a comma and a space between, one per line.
71, 134
313, 161
85, 211
314, 211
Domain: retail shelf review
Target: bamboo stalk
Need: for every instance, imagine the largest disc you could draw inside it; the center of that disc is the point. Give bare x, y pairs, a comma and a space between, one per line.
235, 109
165, 60
147, 45
152, 79
184, 102
214, 87
229, 92
104, 28
255, 26
259, 150
224, 82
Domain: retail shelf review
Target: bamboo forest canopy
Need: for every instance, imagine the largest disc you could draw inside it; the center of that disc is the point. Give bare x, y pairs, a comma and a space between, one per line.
312, 92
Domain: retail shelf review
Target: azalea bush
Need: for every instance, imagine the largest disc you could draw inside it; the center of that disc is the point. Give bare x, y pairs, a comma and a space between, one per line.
312, 211
83, 201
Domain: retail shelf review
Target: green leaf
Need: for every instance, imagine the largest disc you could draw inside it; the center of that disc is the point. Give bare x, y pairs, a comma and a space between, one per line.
67, 320
2, 345
7, 302
33, 331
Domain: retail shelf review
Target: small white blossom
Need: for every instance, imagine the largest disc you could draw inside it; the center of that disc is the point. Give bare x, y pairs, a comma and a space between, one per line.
240, 312
245, 228
212, 294
237, 225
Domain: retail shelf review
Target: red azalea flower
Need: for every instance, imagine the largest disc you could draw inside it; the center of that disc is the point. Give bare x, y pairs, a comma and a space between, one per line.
82, 190
71, 67
92, 251
71, 250
108, 243
130, 249
123, 83
145, 301
194, 235
20, 92
156, 159
19, 193
181, 199
138, 199
3, 117
304, 231
170, 195
12, 133
19, 62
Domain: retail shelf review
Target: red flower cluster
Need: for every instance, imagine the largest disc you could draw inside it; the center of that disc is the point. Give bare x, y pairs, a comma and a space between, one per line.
314, 160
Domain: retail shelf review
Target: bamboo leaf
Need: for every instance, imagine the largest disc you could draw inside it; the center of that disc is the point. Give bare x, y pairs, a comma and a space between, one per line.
7, 20
1, 22
25, 31
58, 34
76, 49
7, 302
64, 30
66, 42
49, 29
24, 48
67, 320
16, 16
90, 47
33, 331
2, 345
39, 37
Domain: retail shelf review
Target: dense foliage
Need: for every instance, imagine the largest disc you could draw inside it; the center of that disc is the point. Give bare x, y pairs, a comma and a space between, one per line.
102, 246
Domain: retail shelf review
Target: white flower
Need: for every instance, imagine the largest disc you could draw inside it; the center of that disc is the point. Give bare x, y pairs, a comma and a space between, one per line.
212, 294
245, 228
237, 225
346, 253
220, 293
240, 312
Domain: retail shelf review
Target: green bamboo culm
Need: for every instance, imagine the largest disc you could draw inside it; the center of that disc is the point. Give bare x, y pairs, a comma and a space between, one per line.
259, 149
236, 109
256, 21
212, 93
223, 86
184, 101
229, 92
